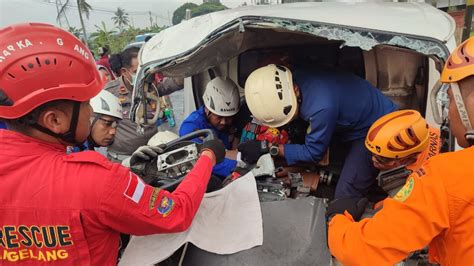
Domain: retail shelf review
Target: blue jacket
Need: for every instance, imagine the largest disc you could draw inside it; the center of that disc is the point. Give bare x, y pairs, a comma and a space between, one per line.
87, 147
77, 148
339, 106
197, 120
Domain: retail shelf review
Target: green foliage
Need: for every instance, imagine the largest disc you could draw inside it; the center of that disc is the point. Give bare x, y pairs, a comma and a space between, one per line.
102, 36
116, 40
206, 8
196, 10
155, 28
180, 12
75, 31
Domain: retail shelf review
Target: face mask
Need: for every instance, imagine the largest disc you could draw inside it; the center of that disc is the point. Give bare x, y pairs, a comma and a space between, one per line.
134, 78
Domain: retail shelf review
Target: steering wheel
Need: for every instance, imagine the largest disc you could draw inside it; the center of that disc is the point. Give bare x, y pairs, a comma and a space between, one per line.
170, 168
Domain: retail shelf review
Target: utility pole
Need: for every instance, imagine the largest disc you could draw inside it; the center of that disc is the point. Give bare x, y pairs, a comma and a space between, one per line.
466, 32
151, 19
169, 19
59, 18
59, 4
188, 14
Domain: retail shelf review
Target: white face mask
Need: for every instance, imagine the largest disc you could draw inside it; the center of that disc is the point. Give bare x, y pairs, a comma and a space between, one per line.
133, 78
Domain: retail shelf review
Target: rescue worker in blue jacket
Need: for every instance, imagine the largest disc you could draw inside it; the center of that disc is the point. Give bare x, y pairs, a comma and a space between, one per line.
340, 108
221, 103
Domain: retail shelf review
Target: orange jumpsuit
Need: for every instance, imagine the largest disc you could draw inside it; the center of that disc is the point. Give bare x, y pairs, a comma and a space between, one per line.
435, 208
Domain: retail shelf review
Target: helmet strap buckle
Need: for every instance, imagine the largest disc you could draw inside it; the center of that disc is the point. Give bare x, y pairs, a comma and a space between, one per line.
470, 137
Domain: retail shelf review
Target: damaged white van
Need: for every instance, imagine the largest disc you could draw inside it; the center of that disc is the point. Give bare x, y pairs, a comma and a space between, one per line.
399, 48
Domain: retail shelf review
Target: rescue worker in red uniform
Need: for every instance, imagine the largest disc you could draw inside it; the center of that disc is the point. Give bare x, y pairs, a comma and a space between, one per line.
69, 209
435, 208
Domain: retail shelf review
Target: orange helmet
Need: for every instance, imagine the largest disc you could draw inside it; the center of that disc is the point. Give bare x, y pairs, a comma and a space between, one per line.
398, 134
460, 63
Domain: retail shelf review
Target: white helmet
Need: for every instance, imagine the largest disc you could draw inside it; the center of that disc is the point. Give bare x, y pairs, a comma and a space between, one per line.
106, 103
162, 137
222, 97
270, 95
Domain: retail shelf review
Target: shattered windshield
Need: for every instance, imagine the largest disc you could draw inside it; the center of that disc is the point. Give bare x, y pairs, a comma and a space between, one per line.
364, 39
233, 32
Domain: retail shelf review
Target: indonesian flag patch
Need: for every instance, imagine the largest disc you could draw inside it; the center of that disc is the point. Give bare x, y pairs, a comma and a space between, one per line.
135, 188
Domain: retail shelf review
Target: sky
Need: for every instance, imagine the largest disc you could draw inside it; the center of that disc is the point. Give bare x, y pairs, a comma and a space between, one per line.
16, 11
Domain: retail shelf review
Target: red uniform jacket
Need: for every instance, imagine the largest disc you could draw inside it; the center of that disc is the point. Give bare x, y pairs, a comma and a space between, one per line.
69, 209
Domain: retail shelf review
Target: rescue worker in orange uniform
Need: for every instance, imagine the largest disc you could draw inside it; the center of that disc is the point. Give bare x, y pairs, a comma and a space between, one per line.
434, 208
402, 138
69, 209
400, 142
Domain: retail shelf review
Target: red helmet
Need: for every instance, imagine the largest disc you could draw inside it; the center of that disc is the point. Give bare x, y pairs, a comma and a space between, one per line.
40, 63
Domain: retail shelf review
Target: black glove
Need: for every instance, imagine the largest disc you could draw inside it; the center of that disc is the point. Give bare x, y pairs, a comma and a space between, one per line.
215, 146
146, 153
355, 206
252, 150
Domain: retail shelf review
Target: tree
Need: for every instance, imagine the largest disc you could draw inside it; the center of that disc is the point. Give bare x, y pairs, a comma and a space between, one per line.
121, 18
180, 12
102, 36
207, 8
75, 31
196, 10
155, 28
82, 7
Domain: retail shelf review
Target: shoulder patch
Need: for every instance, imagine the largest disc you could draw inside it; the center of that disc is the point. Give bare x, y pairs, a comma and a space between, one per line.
88, 157
405, 191
153, 198
165, 206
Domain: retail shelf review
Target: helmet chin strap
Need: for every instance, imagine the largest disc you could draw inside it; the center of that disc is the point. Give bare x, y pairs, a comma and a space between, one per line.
469, 135
70, 135
90, 139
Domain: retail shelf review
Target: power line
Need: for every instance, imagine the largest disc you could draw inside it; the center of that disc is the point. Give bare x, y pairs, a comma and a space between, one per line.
106, 11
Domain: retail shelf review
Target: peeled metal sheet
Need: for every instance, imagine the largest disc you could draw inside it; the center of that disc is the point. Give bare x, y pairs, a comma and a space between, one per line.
222, 212
294, 233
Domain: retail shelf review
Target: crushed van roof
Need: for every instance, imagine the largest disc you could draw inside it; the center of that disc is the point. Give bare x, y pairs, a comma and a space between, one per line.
413, 19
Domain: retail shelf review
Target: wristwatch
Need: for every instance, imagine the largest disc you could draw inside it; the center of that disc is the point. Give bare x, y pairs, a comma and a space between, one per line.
274, 150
